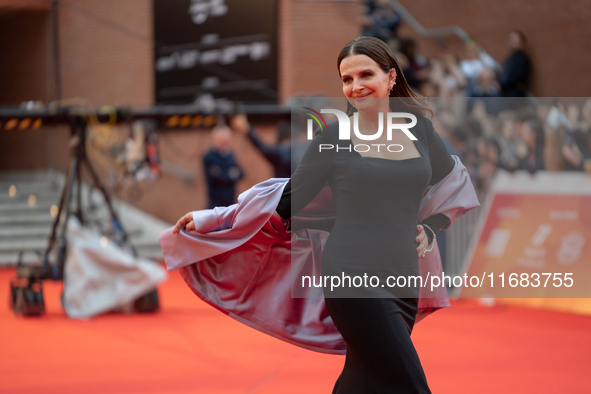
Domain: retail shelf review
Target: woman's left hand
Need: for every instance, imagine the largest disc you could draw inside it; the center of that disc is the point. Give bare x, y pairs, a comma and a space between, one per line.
422, 239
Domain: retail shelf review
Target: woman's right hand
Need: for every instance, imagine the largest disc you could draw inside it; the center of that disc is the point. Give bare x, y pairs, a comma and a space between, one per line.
186, 221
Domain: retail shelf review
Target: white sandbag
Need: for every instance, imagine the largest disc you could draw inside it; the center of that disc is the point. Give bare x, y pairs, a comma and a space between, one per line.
99, 278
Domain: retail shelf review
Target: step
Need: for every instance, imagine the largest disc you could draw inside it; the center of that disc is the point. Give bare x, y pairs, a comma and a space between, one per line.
24, 231
23, 244
30, 176
38, 243
25, 227
9, 258
23, 206
37, 219
8, 210
43, 195
29, 187
43, 229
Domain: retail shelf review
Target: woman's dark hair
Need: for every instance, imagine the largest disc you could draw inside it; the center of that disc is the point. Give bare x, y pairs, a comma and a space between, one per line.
402, 97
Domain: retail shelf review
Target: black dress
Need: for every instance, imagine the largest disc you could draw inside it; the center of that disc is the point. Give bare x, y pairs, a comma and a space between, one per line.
377, 203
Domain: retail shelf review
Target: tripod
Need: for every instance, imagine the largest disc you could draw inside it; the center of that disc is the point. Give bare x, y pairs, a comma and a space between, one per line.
27, 289
78, 158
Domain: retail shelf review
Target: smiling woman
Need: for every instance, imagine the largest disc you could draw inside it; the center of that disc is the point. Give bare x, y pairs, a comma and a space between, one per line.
377, 233
374, 85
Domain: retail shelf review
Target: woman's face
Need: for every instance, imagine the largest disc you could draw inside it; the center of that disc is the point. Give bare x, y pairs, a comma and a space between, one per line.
363, 79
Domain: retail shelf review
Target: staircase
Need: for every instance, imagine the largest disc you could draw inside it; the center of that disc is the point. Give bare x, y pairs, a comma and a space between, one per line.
26, 200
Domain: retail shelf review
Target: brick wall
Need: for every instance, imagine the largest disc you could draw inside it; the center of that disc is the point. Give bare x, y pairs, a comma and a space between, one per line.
106, 57
110, 65
106, 45
311, 35
107, 51
25, 57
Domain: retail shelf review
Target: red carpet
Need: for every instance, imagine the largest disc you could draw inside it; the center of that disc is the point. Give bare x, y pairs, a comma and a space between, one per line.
188, 347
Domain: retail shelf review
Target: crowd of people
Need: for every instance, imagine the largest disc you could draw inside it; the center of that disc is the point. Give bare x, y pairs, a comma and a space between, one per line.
472, 73
483, 109
541, 135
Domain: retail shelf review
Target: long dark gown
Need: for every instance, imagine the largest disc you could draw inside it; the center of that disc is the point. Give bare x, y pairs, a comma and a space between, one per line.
377, 203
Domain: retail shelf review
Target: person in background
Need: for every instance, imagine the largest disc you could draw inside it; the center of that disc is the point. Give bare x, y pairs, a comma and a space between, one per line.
451, 82
381, 21
417, 69
555, 159
488, 151
221, 169
585, 117
576, 151
576, 148
486, 87
428, 89
474, 135
531, 153
514, 78
446, 124
459, 140
475, 63
509, 140
279, 155
447, 75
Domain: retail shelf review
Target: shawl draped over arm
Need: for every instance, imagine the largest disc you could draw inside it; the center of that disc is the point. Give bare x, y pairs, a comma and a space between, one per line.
242, 259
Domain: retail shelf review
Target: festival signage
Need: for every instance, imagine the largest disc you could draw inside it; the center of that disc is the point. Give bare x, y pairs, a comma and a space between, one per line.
215, 49
535, 238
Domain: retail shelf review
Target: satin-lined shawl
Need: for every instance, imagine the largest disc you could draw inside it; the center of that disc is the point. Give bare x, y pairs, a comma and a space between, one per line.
241, 259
